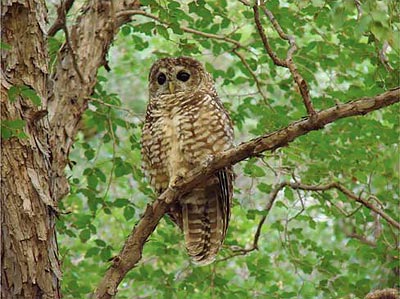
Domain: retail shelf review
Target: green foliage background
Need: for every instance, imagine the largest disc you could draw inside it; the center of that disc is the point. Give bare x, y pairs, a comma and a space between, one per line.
310, 244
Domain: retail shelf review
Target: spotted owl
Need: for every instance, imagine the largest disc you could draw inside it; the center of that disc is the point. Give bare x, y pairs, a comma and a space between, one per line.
186, 124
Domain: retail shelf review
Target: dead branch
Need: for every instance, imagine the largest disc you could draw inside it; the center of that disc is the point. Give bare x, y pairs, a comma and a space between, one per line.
131, 253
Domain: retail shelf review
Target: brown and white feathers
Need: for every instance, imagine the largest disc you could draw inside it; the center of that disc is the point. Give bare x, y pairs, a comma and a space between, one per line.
185, 124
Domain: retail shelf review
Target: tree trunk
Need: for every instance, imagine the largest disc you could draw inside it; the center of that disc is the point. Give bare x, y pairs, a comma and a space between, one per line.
32, 168
30, 265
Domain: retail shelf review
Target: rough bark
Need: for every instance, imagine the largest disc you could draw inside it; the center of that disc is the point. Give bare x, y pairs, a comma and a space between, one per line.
30, 265
32, 169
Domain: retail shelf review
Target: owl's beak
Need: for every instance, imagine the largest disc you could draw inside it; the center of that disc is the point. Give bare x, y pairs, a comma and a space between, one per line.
171, 87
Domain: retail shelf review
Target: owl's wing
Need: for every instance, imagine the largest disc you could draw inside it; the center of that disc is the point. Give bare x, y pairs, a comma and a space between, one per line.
225, 177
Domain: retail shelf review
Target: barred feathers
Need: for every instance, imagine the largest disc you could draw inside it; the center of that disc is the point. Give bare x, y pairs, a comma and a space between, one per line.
181, 131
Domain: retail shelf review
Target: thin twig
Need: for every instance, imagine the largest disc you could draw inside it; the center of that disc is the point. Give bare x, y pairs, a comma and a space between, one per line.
127, 110
299, 186
112, 159
63, 17
258, 83
267, 46
245, 2
288, 62
361, 238
186, 29
357, 3
62, 11
350, 195
383, 58
254, 246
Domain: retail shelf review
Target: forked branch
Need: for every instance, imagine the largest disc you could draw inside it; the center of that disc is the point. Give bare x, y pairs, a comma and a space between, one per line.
288, 61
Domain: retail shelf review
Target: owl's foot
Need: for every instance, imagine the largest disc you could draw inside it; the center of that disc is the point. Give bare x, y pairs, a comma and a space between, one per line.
168, 195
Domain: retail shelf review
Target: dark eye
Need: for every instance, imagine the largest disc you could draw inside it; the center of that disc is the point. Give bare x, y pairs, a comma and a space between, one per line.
183, 76
161, 78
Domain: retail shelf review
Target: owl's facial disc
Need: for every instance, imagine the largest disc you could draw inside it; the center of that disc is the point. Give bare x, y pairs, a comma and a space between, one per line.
171, 81
169, 76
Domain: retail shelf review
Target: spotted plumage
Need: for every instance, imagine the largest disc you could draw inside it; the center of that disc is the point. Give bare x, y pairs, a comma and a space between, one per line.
185, 125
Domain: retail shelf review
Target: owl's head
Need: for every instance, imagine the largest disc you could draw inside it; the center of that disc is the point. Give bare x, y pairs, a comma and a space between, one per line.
181, 74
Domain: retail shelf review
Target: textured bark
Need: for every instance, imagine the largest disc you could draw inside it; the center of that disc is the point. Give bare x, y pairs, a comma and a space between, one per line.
75, 77
30, 266
32, 169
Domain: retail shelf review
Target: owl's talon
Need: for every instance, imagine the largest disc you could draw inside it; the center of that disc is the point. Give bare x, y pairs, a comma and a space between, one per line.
166, 196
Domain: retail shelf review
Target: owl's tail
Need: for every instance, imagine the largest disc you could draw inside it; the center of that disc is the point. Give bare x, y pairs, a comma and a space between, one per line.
205, 215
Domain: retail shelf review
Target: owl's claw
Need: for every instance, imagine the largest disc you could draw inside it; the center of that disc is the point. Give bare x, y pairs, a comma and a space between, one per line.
168, 195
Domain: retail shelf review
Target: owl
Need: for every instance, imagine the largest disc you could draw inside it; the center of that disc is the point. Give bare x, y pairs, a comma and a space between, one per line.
186, 124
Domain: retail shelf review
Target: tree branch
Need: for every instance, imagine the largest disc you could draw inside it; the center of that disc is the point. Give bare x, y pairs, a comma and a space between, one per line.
62, 11
299, 186
186, 29
75, 75
350, 195
268, 207
258, 83
288, 62
131, 253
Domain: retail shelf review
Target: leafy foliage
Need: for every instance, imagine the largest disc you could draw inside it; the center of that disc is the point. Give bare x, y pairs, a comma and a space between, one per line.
312, 244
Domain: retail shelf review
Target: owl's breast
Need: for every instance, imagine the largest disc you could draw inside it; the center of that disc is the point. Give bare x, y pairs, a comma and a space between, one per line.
176, 162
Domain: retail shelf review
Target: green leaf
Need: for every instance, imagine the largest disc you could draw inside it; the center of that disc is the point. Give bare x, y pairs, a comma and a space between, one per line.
253, 170
84, 235
29, 93
4, 46
89, 154
126, 30
162, 31
100, 243
129, 212
12, 128
122, 168
121, 202
105, 254
93, 251
13, 92
264, 188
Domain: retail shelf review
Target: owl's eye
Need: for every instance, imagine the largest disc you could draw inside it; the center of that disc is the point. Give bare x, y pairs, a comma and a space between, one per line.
183, 76
161, 78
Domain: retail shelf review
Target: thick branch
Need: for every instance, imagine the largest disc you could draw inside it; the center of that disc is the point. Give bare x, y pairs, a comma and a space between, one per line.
132, 250
87, 43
